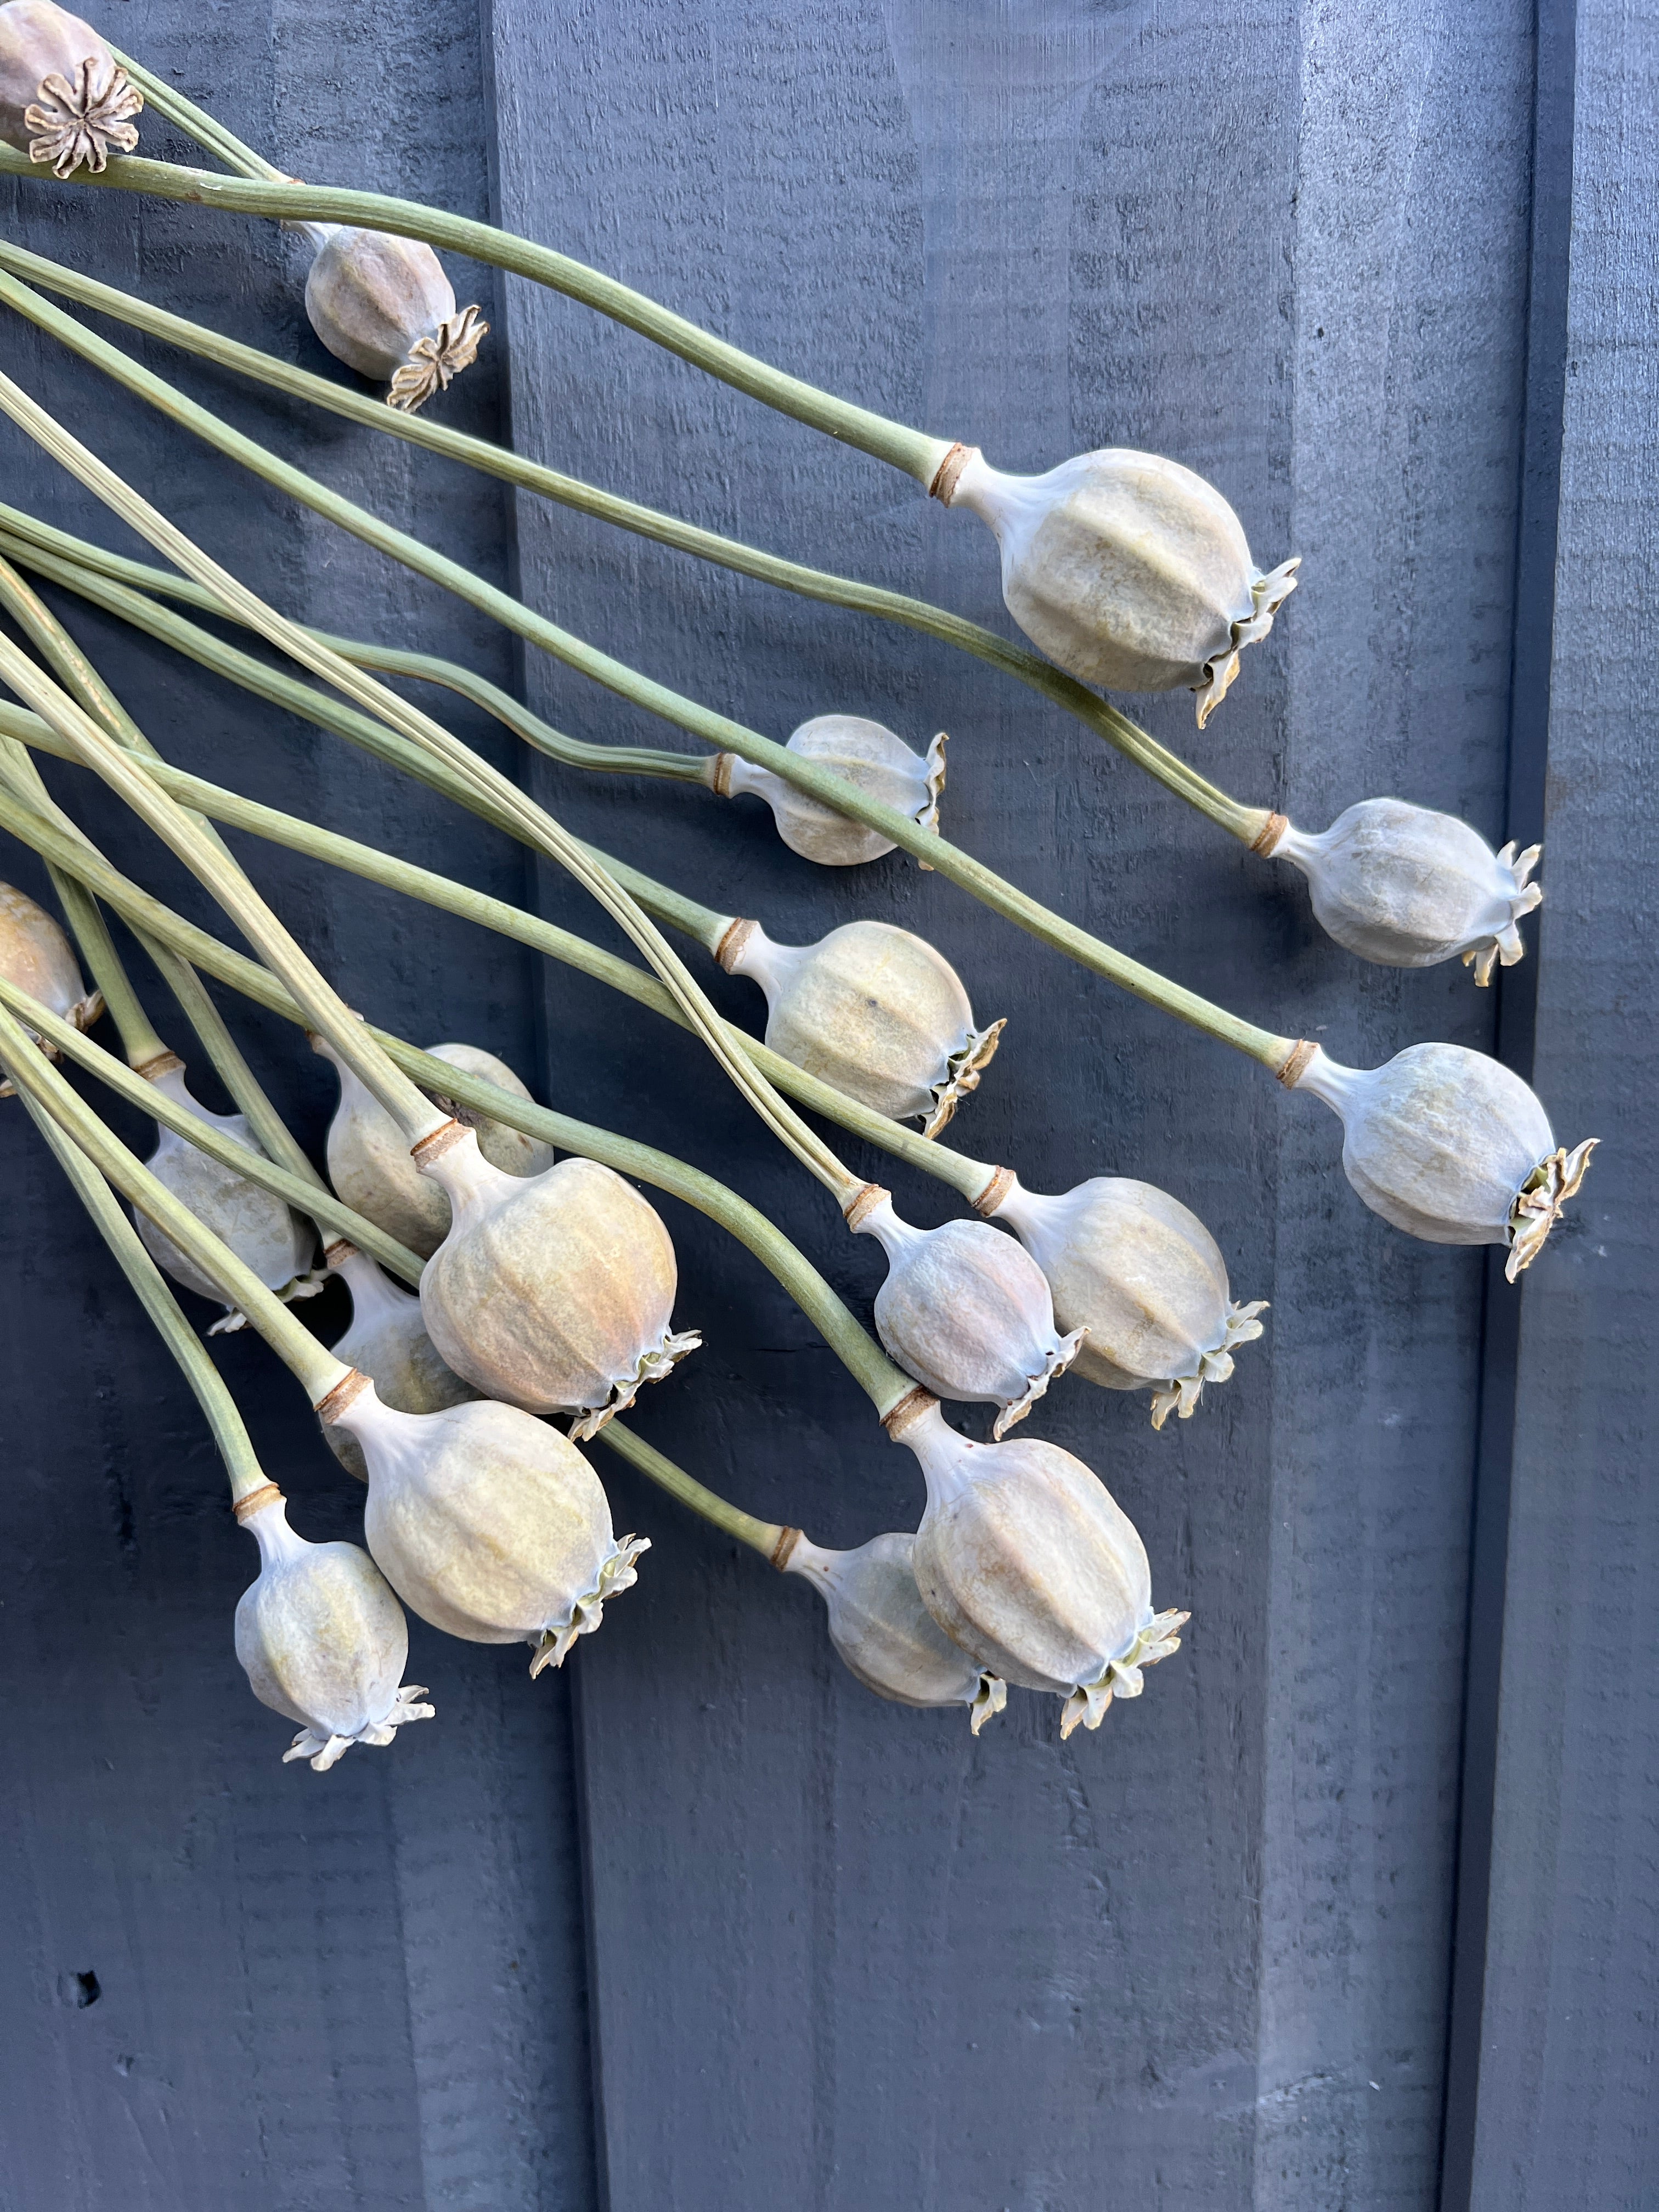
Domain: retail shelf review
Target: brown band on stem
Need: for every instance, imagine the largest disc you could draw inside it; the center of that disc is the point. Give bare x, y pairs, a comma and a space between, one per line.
1297, 1063
910, 1408
729, 950
1002, 1181
256, 1501
867, 1196
720, 781
160, 1064
1265, 841
783, 1550
349, 1387
337, 1254
944, 477
435, 1146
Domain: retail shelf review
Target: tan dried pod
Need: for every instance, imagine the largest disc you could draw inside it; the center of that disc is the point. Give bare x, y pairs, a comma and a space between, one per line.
1450, 1146
387, 1342
487, 1522
1025, 1560
1142, 1276
873, 758
368, 1161
1408, 888
383, 304
64, 99
322, 1639
882, 1632
262, 1229
1128, 570
554, 1293
873, 1010
38, 958
965, 1310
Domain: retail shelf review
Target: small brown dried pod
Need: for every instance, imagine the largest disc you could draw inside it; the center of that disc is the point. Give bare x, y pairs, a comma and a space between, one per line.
383, 305
64, 99
36, 956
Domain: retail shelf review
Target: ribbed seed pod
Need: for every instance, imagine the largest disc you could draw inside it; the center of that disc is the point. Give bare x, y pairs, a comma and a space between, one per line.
1027, 1562
871, 757
1145, 1279
1126, 569
884, 1634
64, 97
964, 1311
262, 1229
38, 958
1408, 888
387, 1342
1451, 1147
487, 1522
322, 1640
554, 1293
368, 1161
873, 1010
383, 304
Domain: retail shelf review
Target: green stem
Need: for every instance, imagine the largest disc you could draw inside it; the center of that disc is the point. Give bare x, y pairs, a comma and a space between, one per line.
229, 1431
764, 1536
910, 451
883, 1382
31, 1072
1244, 822
969, 1176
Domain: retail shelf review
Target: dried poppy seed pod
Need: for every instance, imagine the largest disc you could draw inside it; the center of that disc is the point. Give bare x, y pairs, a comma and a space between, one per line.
322, 1639
1144, 1278
368, 1161
38, 958
383, 305
487, 1522
871, 1009
1408, 888
555, 1292
870, 757
964, 1311
262, 1229
1026, 1561
884, 1633
1128, 570
64, 97
1450, 1146
387, 1342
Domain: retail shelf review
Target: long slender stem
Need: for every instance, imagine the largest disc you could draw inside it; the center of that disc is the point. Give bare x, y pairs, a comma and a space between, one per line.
31, 1072
911, 451
340, 1220
969, 1176
876, 1375
764, 1536
1244, 822
229, 1431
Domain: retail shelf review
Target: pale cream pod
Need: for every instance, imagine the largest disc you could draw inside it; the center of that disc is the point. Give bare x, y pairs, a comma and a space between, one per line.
262, 1229
383, 304
367, 1153
37, 957
322, 1639
882, 1632
1025, 1560
387, 1342
873, 1010
1408, 888
64, 97
554, 1293
965, 1310
871, 757
1128, 570
487, 1522
1139, 1273
1451, 1147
